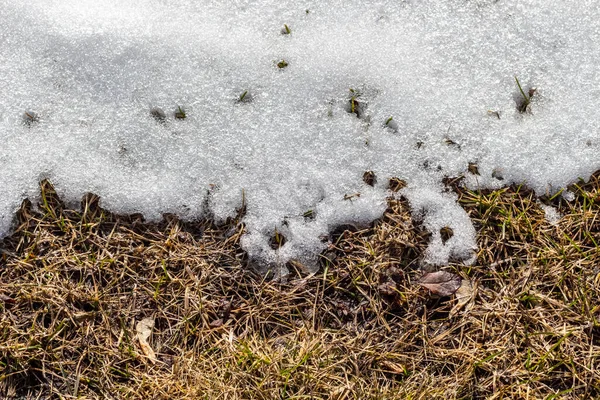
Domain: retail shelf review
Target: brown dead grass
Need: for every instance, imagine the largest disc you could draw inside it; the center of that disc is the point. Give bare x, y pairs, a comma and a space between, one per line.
75, 283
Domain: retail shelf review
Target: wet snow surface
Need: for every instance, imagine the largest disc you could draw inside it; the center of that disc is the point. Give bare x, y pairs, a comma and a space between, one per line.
89, 73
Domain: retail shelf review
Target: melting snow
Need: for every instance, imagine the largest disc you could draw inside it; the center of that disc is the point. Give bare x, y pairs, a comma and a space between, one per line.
89, 73
551, 214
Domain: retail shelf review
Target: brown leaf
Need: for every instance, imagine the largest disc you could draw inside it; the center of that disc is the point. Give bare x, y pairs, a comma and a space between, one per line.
464, 294
216, 323
144, 330
6, 299
441, 283
395, 368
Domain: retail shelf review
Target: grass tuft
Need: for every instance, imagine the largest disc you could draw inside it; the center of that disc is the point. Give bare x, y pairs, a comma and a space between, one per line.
524, 105
180, 113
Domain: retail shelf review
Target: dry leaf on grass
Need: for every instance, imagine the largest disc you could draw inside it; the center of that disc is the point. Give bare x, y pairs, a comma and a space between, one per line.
6, 299
441, 283
464, 294
144, 330
216, 323
394, 368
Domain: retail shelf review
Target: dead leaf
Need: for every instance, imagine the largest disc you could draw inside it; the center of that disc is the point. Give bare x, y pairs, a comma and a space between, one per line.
216, 323
144, 330
395, 368
464, 294
441, 283
6, 299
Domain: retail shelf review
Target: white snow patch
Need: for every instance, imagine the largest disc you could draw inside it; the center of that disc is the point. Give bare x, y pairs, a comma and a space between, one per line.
443, 69
568, 195
551, 214
439, 211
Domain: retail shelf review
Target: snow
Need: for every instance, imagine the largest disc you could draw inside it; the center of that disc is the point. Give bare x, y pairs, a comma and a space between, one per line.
444, 70
551, 214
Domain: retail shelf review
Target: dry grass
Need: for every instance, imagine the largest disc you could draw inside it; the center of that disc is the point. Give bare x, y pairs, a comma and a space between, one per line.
74, 284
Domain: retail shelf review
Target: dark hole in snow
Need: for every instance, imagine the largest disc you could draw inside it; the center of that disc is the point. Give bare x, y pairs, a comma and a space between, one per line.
309, 215
523, 97
369, 178
473, 168
30, 118
452, 143
245, 97
136, 219
158, 114
356, 107
277, 240
180, 113
452, 183
497, 173
395, 184
446, 233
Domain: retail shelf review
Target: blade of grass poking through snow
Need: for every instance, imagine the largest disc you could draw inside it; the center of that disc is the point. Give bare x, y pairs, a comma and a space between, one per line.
243, 95
180, 113
526, 99
353, 101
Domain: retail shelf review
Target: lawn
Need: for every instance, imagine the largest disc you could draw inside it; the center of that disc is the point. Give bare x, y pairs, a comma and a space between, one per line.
273, 199
97, 305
